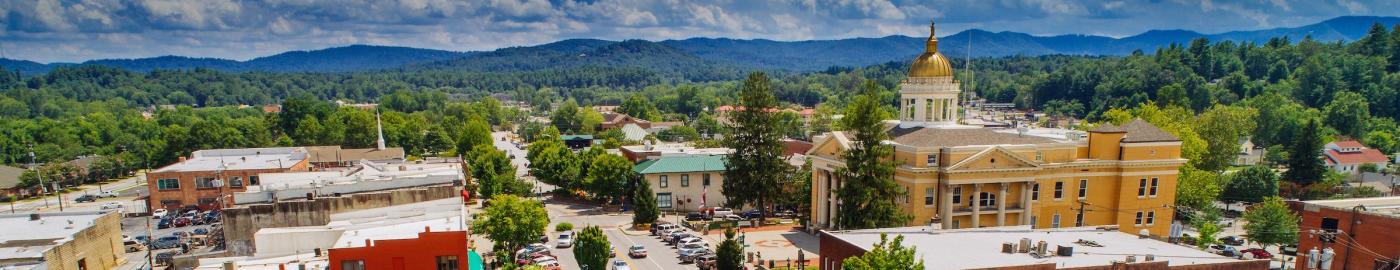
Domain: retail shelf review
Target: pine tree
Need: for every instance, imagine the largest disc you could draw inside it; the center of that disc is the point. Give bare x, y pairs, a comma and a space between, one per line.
730, 254
643, 202
592, 249
867, 196
752, 173
1304, 165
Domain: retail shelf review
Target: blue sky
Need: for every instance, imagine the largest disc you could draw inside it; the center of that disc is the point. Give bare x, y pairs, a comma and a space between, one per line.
76, 30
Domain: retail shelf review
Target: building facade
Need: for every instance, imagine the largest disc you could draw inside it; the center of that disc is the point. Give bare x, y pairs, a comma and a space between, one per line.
685, 183
1349, 156
62, 241
431, 250
968, 176
1360, 232
191, 182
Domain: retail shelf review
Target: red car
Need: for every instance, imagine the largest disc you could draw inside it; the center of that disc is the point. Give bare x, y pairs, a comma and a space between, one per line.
182, 221
1255, 253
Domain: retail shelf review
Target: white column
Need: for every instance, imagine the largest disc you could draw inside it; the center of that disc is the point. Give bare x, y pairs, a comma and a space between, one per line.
945, 207
1001, 205
976, 207
1026, 203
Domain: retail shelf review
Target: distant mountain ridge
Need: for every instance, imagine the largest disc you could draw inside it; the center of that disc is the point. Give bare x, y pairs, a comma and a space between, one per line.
719, 55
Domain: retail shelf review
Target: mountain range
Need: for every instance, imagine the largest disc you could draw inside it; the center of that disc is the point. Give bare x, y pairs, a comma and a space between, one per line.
723, 54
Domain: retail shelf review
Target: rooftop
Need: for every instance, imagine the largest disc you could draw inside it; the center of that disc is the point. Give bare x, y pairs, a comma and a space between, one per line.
1366, 155
323, 154
936, 137
982, 248
680, 164
52, 229
1387, 206
239, 159
9, 176
1138, 131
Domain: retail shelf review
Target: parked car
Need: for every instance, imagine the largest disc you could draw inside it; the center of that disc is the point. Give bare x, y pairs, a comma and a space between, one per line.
549, 265
705, 262
143, 239
619, 265
1232, 240
211, 217
637, 251
1291, 250
676, 237
200, 231
661, 227
133, 246
86, 198
182, 235
182, 221
696, 216
688, 255
733, 217
533, 250
1255, 253
111, 205
566, 240
752, 214
166, 242
692, 241
1223, 250
165, 258
165, 223
529, 258
108, 194
159, 213
721, 211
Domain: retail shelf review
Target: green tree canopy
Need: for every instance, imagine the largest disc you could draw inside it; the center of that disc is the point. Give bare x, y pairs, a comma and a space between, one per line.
1271, 223
592, 248
751, 174
512, 221
868, 195
1251, 185
608, 175
886, 255
1304, 163
730, 254
644, 206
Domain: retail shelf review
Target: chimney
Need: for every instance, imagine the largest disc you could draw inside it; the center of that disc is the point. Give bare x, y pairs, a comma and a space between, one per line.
368, 243
427, 229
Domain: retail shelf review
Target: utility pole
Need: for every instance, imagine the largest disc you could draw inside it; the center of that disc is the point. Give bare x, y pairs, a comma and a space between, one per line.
1079, 220
37, 173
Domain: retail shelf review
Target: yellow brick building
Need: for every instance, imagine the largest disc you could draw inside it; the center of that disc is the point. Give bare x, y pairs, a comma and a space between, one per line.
958, 175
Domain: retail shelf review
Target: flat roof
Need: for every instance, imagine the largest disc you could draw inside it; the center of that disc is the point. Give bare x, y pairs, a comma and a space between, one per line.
239, 159
981, 248
38, 236
1388, 206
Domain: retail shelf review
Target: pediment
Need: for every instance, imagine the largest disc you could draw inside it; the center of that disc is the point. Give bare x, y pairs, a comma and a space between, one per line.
992, 158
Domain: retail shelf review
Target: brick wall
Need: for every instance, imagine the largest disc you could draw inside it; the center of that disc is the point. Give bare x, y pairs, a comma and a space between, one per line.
241, 223
189, 192
1376, 233
99, 246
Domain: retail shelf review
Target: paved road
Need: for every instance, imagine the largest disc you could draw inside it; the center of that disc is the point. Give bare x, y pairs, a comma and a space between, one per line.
522, 166
127, 189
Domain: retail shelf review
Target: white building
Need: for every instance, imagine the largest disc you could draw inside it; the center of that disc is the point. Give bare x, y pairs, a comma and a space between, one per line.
365, 176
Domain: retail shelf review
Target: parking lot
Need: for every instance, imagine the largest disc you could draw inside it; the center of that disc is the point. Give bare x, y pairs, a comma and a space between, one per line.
138, 226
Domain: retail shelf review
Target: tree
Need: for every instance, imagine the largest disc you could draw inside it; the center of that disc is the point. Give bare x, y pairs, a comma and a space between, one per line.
1347, 113
868, 196
494, 174
885, 256
1304, 165
644, 206
1207, 225
1222, 127
437, 140
592, 249
730, 254
608, 175
751, 174
1251, 185
475, 132
1271, 223
1197, 189
640, 107
567, 118
512, 221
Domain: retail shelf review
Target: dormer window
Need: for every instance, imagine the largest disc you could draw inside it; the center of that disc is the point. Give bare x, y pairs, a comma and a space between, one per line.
932, 160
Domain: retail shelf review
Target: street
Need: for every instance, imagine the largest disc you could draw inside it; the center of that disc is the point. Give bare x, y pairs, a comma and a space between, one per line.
127, 189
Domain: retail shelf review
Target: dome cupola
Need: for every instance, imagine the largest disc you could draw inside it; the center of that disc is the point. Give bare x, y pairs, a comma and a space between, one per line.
931, 63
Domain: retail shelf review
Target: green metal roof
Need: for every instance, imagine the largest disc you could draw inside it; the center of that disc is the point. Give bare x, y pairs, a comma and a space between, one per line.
572, 137
705, 163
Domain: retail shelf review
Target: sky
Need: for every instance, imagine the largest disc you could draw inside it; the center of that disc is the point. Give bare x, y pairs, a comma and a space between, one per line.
77, 30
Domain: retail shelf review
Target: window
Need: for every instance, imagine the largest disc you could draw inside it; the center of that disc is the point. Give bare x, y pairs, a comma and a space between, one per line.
663, 200
928, 196
1142, 187
1153, 192
957, 195
665, 182
1151, 217
447, 263
685, 180
987, 199
1035, 192
957, 225
82, 264
1083, 188
910, 107
175, 203
168, 184
204, 182
208, 201
235, 181
352, 265
1039, 156
1079, 219
928, 109
1138, 220
253, 180
907, 194
1055, 221
1059, 190
1033, 220
933, 160
705, 180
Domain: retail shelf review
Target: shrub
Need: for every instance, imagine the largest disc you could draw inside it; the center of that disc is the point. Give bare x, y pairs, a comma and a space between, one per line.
563, 227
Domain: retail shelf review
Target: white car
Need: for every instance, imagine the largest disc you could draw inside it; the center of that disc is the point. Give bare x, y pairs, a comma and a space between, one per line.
108, 194
111, 205
692, 241
159, 213
619, 265
721, 211
566, 239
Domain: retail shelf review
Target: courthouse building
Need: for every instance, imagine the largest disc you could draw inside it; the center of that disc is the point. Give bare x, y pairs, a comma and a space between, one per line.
960, 175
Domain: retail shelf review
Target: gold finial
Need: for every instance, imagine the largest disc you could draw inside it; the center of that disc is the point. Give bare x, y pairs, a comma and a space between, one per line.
932, 44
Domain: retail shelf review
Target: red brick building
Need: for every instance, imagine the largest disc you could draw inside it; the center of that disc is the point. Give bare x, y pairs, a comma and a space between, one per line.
192, 181
617, 120
1367, 231
431, 250
1003, 248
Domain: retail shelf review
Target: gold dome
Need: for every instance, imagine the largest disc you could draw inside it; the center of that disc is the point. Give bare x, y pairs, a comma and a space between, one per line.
931, 63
